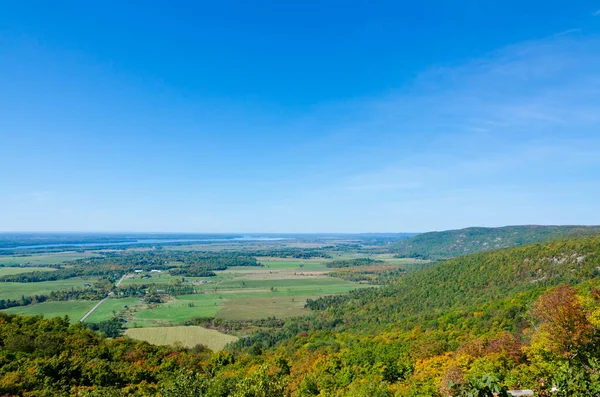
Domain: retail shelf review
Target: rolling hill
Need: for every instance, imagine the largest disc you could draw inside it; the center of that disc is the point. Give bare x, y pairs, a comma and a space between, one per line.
453, 243
473, 316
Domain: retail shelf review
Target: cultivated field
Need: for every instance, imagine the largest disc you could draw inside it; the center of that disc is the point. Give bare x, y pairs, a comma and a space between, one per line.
279, 288
187, 336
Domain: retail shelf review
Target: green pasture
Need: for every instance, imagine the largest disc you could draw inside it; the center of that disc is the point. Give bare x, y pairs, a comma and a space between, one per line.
16, 290
313, 264
298, 281
110, 307
257, 306
254, 301
74, 309
6, 271
187, 336
176, 311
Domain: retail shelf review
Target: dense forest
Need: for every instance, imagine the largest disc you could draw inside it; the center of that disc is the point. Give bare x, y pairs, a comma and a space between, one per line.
525, 317
453, 243
353, 262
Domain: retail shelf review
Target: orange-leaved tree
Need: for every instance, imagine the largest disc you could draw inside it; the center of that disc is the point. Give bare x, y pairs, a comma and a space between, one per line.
563, 322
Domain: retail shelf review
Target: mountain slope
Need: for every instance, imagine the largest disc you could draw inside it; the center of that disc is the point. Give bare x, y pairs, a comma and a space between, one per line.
500, 283
460, 320
453, 243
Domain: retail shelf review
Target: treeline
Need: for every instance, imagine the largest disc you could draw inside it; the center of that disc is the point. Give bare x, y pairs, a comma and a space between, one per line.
90, 293
376, 276
194, 271
22, 301
174, 289
339, 263
167, 259
292, 252
62, 274
61, 295
204, 265
227, 326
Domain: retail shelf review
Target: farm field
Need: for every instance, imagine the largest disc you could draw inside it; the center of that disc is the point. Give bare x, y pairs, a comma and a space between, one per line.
287, 300
279, 288
241, 299
16, 290
111, 306
175, 311
257, 307
187, 336
44, 259
6, 271
294, 264
74, 309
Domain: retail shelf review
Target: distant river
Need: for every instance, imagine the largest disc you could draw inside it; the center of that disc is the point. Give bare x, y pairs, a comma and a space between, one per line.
150, 241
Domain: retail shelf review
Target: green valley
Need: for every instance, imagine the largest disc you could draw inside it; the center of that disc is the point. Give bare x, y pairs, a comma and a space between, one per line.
298, 327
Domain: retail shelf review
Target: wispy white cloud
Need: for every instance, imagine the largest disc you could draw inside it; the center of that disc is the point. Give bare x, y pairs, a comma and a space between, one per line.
597, 13
39, 197
496, 140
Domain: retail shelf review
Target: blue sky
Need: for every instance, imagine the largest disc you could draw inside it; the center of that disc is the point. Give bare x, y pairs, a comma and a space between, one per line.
323, 116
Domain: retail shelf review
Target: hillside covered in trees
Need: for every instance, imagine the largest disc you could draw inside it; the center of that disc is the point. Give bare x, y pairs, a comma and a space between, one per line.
453, 243
524, 317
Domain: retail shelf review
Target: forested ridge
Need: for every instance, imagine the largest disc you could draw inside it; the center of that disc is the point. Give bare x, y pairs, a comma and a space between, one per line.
485, 322
453, 243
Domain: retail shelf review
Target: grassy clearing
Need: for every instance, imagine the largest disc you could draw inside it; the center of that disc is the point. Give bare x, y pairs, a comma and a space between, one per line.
16, 290
110, 307
297, 291
187, 336
293, 264
44, 259
176, 311
252, 307
299, 281
74, 309
5, 271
